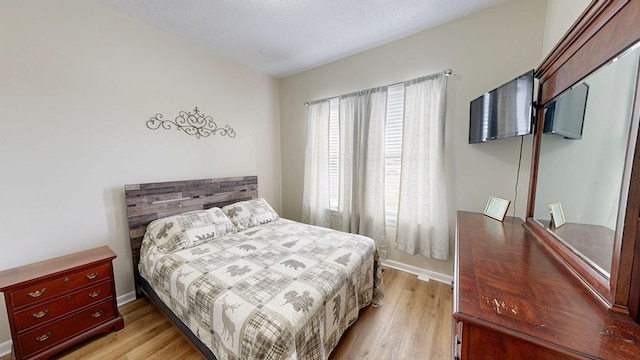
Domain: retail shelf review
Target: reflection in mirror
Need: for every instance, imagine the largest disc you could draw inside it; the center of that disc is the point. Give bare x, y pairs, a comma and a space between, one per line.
582, 158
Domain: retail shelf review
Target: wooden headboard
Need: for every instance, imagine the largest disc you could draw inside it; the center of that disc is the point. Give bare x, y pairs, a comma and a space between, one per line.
148, 202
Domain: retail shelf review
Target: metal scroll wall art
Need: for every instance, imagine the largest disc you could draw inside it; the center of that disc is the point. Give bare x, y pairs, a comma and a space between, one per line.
192, 123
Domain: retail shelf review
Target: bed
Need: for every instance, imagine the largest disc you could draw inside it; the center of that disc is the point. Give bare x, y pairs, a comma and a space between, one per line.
239, 281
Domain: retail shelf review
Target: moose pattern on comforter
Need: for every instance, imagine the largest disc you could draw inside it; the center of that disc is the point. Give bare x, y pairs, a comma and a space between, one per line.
281, 290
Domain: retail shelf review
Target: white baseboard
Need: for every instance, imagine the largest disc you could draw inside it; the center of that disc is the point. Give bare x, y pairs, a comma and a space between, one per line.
5, 347
424, 275
126, 298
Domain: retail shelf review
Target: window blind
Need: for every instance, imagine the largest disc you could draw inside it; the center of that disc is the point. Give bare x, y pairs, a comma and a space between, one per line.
393, 151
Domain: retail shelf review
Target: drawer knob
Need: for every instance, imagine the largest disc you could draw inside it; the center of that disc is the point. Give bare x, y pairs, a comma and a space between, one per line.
44, 337
66, 280
40, 314
35, 294
97, 314
94, 294
92, 275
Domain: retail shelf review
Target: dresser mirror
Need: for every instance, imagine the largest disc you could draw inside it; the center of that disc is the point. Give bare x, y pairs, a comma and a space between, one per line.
582, 160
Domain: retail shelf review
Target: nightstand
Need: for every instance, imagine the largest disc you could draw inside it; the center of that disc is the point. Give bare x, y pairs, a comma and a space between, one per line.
57, 303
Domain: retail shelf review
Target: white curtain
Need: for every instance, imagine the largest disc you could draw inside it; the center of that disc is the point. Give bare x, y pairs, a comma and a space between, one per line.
315, 202
422, 210
361, 186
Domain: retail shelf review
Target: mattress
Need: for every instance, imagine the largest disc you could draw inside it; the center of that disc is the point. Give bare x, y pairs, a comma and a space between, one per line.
280, 290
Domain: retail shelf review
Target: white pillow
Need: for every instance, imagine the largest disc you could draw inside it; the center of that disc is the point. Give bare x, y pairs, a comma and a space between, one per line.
186, 230
247, 214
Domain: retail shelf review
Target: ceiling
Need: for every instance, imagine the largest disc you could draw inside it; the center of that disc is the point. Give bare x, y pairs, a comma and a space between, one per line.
284, 37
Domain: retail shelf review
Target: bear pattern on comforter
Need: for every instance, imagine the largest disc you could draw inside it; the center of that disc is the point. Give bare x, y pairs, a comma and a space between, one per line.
280, 290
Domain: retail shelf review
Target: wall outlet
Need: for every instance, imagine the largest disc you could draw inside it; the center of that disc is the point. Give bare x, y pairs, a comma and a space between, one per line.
383, 254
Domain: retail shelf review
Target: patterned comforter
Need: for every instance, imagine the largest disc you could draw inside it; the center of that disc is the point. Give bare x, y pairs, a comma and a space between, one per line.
281, 290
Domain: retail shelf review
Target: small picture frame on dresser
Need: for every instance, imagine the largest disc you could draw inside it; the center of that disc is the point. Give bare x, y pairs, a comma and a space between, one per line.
557, 214
496, 208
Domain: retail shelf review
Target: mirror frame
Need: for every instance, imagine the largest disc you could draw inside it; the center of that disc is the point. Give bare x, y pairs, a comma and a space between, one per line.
593, 40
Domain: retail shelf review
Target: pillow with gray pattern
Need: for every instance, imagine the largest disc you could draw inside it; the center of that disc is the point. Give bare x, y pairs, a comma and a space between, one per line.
247, 214
189, 229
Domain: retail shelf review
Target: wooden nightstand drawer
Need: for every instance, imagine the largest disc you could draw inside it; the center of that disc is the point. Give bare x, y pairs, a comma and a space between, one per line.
53, 333
50, 310
60, 285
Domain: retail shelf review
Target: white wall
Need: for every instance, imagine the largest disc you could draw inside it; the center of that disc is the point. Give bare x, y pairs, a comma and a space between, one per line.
561, 14
484, 50
77, 83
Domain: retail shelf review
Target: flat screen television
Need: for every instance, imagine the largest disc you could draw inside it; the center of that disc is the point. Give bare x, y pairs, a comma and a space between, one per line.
564, 116
503, 112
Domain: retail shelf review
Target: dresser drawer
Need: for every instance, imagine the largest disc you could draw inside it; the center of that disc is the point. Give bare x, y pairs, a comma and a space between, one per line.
48, 335
52, 288
49, 310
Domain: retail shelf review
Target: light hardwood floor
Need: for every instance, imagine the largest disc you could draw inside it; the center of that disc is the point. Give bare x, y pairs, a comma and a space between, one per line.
414, 323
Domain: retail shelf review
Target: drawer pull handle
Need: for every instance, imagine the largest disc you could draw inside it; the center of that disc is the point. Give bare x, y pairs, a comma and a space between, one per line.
44, 337
66, 280
40, 314
37, 293
97, 314
94, 294
92, 275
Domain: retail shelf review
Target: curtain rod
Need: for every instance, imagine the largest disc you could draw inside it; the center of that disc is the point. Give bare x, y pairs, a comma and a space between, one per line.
447, 72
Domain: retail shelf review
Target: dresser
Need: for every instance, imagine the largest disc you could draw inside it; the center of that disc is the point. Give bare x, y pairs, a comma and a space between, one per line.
55, 304
513, 300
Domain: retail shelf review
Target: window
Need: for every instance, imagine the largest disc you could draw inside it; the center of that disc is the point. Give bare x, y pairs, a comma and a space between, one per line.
393, 151
334, 153
394, 135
